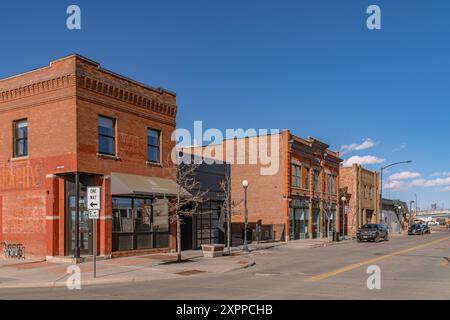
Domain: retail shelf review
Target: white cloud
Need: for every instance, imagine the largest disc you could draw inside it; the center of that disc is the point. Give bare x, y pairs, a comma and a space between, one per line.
423, 183
404, 175
364, 160
441, 174
446, 189
366, 144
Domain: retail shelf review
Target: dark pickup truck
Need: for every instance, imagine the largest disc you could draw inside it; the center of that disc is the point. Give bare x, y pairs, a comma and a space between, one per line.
372, 232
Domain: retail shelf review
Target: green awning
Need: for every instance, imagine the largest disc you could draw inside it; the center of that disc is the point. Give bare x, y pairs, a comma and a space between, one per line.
123, 184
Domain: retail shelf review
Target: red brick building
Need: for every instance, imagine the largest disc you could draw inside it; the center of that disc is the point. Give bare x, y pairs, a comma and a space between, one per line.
74, 122
296, 199
361, 188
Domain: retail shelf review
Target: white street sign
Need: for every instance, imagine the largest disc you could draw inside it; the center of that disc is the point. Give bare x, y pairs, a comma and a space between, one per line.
93, 214
93, 198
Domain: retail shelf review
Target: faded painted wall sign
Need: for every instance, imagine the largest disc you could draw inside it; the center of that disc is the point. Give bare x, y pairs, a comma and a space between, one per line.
20, 177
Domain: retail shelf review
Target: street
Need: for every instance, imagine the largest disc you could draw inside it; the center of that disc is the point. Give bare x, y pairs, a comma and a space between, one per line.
412, 267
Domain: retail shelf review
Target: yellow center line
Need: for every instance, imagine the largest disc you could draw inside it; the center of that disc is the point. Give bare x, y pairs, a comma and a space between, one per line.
349, 267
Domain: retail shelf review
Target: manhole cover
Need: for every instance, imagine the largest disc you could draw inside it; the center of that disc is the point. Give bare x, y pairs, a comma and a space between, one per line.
190, 272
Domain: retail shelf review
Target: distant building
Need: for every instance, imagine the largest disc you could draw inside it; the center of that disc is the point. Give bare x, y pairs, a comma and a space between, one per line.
361, 187
297, 201
394, 214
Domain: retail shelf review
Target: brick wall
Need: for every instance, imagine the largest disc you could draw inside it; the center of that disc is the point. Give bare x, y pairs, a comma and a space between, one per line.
61, 103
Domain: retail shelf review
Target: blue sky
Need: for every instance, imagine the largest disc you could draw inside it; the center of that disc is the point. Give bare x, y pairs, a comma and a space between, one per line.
308, 65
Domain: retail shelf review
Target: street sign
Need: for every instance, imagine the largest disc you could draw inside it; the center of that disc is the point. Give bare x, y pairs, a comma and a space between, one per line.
93, 214
93, 198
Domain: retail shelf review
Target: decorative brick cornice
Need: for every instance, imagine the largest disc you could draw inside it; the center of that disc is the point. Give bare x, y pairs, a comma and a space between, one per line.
143, 101
39, 87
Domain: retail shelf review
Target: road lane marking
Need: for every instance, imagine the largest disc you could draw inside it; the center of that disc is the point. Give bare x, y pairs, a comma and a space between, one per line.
349, 267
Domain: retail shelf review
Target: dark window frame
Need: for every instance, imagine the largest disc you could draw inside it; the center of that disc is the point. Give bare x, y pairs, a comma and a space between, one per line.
114, 124
296, 175
16, 139
157, 147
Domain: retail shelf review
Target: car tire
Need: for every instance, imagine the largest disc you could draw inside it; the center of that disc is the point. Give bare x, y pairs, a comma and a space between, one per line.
377, 239
358, 239
386, 237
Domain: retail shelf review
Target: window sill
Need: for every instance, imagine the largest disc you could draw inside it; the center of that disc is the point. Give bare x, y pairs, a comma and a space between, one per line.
19, 158
154, 164
107, 156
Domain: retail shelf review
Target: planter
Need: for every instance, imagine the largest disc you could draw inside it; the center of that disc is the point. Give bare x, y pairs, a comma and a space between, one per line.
212, 250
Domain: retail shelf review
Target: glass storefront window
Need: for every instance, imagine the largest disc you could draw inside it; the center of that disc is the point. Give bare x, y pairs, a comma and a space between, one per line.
140, 223
208, 223
299, 219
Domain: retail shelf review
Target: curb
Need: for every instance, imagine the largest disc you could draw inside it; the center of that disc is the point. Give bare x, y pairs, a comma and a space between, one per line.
91, 282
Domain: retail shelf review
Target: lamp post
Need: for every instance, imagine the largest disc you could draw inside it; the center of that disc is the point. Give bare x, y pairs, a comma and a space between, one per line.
245, 185
381, 185
399, 214
410, 211
344, 200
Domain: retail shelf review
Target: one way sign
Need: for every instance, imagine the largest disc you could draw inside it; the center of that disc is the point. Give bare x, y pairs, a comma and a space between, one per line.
93, 198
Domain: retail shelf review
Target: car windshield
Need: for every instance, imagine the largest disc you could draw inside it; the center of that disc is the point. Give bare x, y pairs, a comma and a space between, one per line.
416, 226
370, 226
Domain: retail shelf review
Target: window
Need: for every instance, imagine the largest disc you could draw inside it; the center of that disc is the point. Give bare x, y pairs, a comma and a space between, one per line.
296, 175
331, 185
153, 145
316, 180
21, 138
106, 135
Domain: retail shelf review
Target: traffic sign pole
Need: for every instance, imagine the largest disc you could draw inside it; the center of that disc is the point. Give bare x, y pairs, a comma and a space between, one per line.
95, 247
93, 205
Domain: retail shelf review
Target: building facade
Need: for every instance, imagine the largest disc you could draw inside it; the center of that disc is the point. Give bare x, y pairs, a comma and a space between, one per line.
72, 124
361, 188
293, 194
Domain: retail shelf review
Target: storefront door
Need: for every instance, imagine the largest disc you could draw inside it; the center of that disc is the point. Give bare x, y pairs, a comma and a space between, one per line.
85, 224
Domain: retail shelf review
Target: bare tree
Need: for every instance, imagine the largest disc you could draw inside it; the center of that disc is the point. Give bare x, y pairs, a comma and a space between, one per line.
327, 205
229, 206
189, 196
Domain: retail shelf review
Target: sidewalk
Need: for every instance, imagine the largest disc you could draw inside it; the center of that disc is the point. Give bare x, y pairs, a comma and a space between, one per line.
36, 274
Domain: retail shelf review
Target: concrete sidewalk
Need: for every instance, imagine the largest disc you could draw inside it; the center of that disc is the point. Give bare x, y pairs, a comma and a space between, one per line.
35, 274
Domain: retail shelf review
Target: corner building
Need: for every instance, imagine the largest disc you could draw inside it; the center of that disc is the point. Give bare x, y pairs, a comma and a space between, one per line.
74, 123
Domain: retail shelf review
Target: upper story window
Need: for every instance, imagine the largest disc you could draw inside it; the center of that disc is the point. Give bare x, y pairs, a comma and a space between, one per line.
20, 138
331, 184
296, 175
316, 180
106, 135
153, 145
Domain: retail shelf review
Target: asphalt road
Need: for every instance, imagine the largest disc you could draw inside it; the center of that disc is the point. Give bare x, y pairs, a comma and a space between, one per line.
411, 267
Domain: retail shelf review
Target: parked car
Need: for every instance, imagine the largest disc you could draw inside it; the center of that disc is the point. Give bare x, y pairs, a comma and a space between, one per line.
433, 223
418, 228
372, 232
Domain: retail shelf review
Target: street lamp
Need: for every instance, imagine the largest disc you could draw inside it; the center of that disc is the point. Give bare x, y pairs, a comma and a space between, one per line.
245, 185
343, 199
381, 185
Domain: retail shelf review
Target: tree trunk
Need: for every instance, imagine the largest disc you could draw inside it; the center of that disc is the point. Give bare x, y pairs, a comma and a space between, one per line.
178, 238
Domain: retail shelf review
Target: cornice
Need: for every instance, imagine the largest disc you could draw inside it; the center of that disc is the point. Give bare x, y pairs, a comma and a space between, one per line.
123, 108
119, 93
144, 103
38, 87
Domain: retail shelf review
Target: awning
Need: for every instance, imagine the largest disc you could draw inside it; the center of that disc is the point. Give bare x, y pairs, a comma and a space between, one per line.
123, 184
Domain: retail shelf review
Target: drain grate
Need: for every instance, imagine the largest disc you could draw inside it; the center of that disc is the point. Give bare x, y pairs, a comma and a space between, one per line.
190, 272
